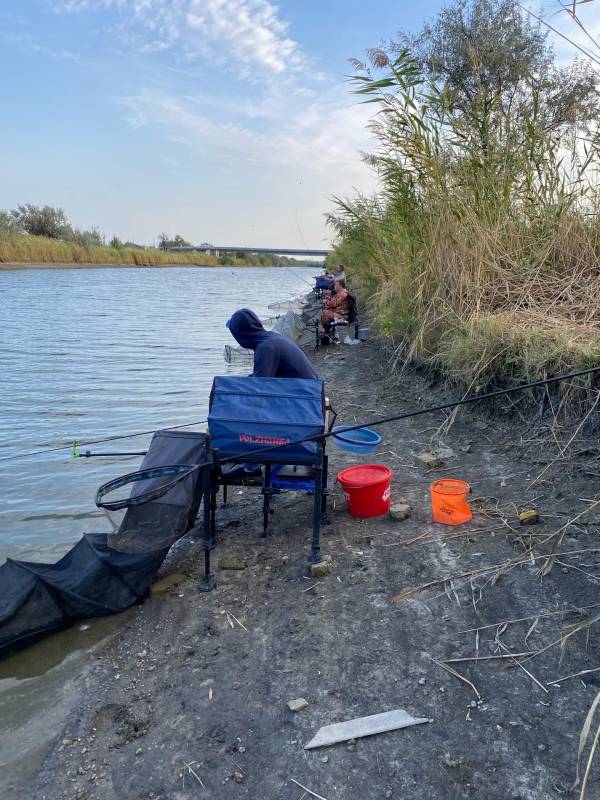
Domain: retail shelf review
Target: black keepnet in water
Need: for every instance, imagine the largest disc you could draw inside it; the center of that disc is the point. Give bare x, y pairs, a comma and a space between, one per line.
104, 573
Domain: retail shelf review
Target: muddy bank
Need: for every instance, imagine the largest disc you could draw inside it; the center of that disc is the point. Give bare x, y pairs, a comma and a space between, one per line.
188, 698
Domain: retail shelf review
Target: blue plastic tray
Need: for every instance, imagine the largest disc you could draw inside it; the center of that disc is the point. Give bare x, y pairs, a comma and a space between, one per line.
362, 440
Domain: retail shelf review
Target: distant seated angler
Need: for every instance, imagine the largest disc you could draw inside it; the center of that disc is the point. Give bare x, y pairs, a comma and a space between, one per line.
275, 356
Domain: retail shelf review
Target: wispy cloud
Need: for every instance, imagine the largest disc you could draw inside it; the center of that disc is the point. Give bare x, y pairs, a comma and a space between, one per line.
234, 93
27, 44
244, 33
288, 118
251, 28
317, 137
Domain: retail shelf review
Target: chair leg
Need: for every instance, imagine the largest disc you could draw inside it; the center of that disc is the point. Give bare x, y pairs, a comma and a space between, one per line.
207, 584
213, 514
267, 492
315, 554
324, 491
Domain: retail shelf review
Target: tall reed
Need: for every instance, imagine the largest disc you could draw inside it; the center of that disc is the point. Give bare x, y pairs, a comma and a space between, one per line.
481, 253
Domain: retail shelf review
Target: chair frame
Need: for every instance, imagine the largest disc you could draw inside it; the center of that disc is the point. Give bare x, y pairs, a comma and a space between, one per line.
213, 479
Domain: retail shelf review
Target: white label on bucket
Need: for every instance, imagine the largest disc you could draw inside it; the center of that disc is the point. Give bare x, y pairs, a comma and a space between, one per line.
387, 494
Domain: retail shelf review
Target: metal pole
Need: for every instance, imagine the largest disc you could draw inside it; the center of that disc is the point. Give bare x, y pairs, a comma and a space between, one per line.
207, 584
315, 555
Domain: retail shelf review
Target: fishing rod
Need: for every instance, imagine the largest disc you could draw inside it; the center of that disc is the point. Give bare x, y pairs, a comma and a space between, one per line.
89, 454
394, 418
409, 414
182, 472
429, 410
74, 444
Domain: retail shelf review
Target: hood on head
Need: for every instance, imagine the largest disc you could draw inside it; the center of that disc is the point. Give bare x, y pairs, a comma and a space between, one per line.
246, 328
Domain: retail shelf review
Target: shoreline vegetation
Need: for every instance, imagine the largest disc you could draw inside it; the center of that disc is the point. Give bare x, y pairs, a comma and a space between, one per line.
39, 252
23, 252
479, 254
39, 236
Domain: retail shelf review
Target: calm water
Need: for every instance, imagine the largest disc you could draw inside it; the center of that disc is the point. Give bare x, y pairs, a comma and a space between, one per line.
91, 353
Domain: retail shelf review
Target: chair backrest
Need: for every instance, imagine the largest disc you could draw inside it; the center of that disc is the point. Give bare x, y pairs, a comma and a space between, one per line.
248, 414
324, 283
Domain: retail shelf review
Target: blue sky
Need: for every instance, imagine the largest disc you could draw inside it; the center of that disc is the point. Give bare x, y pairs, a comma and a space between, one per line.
224, 120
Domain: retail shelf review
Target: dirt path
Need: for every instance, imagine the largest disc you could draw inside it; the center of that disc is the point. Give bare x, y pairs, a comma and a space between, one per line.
203, 680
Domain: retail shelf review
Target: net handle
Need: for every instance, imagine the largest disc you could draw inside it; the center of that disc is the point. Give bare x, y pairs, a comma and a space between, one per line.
180, 471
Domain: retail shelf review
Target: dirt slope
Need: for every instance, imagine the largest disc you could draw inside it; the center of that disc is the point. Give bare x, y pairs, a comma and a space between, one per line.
185, 683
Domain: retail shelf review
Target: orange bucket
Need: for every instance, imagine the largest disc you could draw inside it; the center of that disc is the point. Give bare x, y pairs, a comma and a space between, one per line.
449, 501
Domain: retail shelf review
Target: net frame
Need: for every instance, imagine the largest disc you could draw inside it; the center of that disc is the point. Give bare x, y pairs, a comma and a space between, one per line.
181, 471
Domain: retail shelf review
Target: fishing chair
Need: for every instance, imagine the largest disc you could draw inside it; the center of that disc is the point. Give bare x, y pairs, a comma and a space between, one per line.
258, 422
324, 338
322, 284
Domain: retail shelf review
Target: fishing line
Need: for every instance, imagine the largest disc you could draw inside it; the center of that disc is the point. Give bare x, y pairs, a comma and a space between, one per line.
369, 423
188, 470
428, 410
308, 283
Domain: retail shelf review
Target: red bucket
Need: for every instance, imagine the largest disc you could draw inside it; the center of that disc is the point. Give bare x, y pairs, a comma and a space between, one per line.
367, 489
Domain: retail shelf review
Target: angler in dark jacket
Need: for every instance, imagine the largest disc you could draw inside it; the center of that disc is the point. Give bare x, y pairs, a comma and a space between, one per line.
275, 356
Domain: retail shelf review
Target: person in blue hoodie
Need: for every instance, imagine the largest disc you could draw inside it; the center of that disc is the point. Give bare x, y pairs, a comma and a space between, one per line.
275, 356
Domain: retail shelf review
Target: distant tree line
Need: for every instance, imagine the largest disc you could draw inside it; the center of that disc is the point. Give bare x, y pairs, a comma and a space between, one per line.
259, 260
46, 221
53, 223
166, 242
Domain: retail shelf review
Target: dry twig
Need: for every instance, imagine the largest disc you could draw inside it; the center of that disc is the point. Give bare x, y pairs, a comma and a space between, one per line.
313, 794
191, 770
575, 675
457, 675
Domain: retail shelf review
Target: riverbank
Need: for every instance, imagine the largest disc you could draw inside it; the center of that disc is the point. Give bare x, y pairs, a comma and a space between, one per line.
193, 688
40, 250
22, 265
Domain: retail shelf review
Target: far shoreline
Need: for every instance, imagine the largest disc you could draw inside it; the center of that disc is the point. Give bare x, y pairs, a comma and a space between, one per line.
22, 265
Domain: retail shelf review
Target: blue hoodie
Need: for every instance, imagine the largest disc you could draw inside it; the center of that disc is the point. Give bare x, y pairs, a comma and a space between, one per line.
275, 356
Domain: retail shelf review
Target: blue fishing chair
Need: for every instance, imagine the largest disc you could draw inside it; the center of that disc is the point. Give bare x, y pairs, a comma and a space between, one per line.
322, 284
258, 422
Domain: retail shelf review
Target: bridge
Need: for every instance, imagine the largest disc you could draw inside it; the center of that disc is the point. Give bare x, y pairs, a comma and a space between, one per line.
216, 250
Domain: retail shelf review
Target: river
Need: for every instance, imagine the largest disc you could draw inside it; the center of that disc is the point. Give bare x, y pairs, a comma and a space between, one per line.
91, 353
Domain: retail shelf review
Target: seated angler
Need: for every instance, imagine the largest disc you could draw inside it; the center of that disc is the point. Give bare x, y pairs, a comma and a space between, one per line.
275, 356
340, 274
337, 307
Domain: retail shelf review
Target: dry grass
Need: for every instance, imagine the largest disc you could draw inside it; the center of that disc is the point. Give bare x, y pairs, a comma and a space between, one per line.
484, 301
40, 250
481, 262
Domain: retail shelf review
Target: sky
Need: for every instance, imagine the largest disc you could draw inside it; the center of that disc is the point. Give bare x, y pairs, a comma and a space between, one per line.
225, 121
